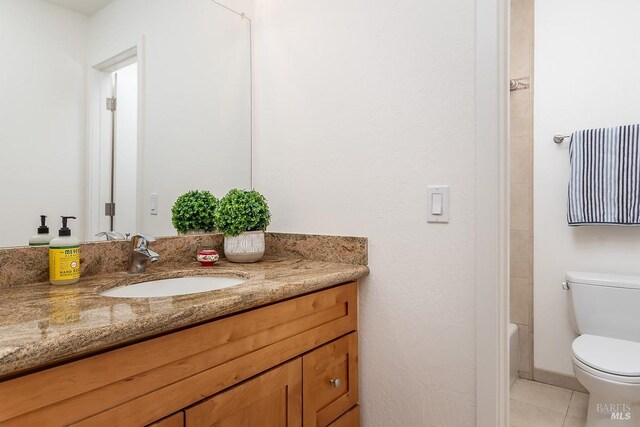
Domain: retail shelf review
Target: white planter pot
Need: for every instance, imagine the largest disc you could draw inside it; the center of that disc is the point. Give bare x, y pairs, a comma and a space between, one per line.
247, 247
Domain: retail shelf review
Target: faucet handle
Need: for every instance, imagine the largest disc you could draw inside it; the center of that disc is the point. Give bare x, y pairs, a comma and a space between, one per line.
141, 240
111, 235
149, 238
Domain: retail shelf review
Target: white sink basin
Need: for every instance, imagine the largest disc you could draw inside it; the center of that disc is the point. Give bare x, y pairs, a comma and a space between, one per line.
173, 287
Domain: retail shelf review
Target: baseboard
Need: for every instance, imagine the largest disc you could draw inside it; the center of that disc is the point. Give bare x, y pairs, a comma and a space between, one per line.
559, 380
525, 375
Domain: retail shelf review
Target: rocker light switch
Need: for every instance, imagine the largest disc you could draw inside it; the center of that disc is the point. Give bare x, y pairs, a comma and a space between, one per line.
438, 204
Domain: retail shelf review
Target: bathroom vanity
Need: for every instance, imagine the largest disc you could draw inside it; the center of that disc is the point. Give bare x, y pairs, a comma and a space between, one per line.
282, 364
279, 349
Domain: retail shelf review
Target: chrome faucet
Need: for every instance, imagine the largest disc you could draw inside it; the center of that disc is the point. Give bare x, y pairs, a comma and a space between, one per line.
140, 254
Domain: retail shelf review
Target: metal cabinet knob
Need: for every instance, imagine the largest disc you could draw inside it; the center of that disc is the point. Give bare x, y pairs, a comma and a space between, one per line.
335, 382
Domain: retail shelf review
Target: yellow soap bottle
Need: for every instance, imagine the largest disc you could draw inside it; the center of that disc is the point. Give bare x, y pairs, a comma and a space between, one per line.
64, 256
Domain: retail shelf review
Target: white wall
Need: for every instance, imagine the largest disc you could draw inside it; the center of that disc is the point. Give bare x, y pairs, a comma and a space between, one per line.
587, 57
197, 104
360, 106
42, 117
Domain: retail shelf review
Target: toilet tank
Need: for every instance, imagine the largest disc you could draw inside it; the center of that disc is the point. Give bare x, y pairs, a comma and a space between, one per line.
606, 304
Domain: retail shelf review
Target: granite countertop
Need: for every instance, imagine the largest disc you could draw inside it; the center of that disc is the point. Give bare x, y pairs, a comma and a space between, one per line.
43, 324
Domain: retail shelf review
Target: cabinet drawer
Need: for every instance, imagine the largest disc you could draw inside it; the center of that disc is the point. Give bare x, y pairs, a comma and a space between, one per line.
330, 381
350, 419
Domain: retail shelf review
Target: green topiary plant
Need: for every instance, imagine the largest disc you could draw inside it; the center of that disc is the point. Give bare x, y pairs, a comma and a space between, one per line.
240, 211
194, 210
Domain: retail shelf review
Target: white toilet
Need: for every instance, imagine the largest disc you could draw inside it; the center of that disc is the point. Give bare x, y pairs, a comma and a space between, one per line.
606, 355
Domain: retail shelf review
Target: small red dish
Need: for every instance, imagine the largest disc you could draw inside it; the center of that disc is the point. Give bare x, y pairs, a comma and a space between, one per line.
208, 257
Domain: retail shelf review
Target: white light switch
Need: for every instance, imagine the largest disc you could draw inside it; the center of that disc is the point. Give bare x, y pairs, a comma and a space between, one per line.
438, 204
153, 205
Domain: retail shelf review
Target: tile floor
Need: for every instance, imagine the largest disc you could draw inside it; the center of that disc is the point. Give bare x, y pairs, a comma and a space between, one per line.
540, 405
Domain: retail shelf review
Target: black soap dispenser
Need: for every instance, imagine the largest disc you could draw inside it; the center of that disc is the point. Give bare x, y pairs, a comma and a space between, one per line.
43, 237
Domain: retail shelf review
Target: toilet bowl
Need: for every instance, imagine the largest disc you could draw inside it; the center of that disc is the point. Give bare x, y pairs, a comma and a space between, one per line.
606, 356
609, 369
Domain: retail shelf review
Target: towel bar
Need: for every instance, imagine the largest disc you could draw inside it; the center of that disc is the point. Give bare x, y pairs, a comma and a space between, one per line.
559, 138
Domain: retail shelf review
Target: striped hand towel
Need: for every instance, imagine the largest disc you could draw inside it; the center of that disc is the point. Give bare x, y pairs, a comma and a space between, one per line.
604, 187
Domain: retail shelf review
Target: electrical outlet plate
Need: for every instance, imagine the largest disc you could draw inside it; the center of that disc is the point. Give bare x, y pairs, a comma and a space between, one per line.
153, 210
438, 204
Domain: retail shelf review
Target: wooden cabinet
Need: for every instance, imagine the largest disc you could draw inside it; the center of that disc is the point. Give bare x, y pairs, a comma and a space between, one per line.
330, 377
226, 372
273, 399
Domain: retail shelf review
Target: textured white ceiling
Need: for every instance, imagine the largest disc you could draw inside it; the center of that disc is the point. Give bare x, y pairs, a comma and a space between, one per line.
85, 7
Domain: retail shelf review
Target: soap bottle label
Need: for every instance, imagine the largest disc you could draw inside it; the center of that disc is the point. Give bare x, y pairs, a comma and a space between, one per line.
64, 263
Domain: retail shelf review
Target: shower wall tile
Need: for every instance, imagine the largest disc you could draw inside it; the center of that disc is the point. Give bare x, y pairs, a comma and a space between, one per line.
521, 254
525, 336
521, 113
521, 37
521, 207
521, 299
521, 175
522, 161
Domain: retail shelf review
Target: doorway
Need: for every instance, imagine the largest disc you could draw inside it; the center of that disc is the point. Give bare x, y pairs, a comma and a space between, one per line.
124, 150
114, 145
542, 391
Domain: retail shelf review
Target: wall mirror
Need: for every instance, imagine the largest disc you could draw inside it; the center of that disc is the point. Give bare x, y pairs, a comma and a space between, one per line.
113, 108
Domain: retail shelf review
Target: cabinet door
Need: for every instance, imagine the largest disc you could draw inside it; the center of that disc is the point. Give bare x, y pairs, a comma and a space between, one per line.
330, 378
175, 420
272, 399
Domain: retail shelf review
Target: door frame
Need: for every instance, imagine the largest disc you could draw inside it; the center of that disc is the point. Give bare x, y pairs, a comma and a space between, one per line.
492, 224
95, 103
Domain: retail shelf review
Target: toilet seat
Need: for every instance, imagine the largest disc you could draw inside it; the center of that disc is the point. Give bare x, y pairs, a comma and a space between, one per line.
604, 375
610, 358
